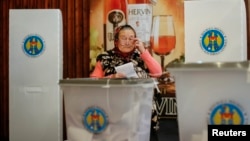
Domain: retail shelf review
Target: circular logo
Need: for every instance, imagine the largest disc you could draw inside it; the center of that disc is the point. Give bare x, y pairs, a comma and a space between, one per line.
115, 17
33, 45
212, 41
95, 120
227, 113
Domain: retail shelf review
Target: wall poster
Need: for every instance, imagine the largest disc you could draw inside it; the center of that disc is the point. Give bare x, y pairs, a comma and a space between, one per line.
146, 14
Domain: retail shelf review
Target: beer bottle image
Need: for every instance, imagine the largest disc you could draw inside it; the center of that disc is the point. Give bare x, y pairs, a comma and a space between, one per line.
114, 16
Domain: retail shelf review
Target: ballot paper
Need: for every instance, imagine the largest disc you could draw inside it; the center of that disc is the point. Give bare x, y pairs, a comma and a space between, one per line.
127, 69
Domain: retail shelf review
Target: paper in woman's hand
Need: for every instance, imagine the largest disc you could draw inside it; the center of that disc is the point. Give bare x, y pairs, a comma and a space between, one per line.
127, 69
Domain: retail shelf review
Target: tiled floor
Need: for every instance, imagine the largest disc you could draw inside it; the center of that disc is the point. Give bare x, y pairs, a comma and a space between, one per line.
168, 130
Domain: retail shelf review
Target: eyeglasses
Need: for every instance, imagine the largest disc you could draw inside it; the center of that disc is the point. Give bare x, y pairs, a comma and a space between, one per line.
125, 40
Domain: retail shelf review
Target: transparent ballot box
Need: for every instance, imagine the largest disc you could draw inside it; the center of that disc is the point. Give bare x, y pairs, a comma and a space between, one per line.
210, 94
108, 109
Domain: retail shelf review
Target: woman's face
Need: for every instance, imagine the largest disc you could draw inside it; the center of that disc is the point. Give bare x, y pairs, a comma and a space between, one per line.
126, 40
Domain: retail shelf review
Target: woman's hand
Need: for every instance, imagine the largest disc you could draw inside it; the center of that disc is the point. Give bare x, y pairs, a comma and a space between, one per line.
139, 45
118, 75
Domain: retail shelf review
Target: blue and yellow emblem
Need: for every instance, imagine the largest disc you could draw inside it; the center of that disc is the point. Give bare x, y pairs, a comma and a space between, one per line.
95, 120
212, 41
227, 113
33, 45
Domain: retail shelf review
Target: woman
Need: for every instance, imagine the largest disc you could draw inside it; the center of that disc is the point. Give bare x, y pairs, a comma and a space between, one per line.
128, 48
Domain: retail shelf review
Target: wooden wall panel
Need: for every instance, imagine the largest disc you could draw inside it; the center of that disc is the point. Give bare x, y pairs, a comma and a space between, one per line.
78, 27
70, 36
85, 66
4, 71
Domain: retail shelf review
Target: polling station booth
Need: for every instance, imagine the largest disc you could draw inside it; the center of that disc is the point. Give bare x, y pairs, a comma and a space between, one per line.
107, 109
215, 30
213, 83
35, 67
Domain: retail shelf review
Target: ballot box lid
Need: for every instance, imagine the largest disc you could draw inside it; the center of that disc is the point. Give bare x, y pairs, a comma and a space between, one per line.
106, 81
208, 65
